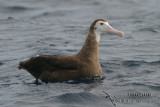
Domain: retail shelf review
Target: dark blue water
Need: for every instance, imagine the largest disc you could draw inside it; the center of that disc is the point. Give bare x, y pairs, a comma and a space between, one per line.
131, 66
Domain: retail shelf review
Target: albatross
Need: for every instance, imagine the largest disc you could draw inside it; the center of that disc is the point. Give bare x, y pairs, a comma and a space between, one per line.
84, 64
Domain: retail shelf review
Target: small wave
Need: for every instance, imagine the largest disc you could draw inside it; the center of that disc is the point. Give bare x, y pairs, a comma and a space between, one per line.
149, 29
78, 97
119, 76
8, 84
154, 87
109, 63
108, 70
17, 8
52, 45
7, 20
55, 14
10, 18
147, 72
1, 63
155, 62
132, 63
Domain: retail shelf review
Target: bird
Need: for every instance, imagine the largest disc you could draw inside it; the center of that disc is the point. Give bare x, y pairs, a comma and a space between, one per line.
83, 64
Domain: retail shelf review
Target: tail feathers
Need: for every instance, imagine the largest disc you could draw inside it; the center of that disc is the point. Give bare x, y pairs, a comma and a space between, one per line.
21, 65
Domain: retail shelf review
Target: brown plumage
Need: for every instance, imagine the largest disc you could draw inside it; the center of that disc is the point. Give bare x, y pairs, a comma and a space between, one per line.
60, 68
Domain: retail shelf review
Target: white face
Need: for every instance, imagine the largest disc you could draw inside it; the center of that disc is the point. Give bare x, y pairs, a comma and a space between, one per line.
101, 27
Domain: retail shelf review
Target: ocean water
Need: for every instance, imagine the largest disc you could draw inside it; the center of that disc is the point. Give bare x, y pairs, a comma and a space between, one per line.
131, 66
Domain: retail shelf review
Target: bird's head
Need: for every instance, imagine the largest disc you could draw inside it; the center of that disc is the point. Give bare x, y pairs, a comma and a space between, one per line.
100, 26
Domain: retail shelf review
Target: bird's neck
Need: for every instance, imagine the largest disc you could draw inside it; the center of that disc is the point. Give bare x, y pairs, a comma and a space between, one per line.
90, 48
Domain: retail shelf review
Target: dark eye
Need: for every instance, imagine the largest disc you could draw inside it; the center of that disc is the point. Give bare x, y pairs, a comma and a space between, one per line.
101, 23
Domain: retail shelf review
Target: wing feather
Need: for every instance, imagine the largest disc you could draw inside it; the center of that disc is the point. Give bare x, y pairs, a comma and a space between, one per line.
37, 65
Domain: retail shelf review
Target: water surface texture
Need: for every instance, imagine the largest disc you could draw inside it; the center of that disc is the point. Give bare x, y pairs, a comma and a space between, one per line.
131, 65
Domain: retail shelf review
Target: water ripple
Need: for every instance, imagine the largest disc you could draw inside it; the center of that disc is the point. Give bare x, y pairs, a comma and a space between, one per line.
17, 8
153, 86
133, 63
78, 97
